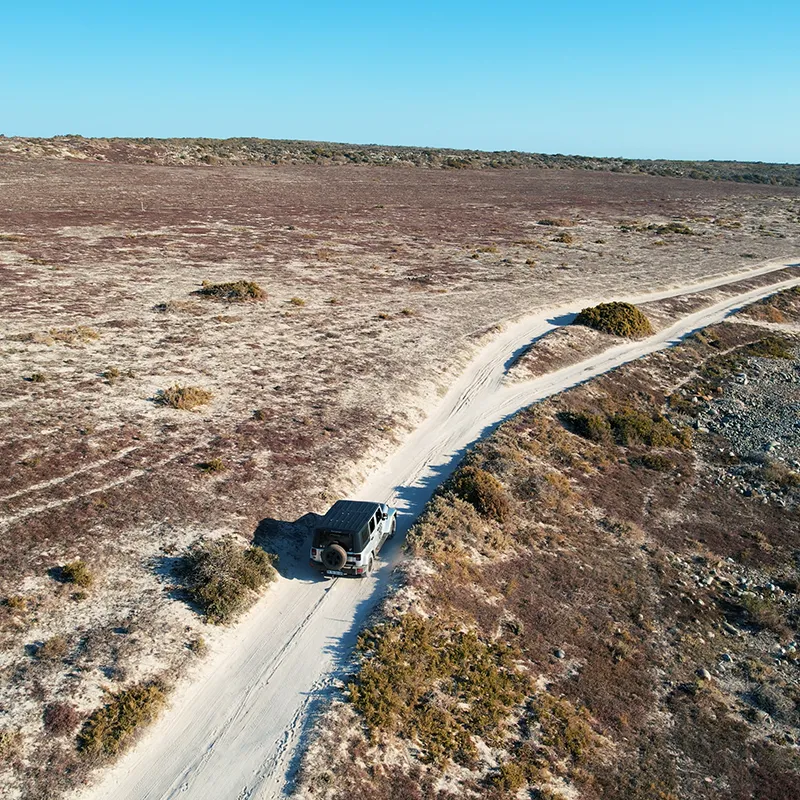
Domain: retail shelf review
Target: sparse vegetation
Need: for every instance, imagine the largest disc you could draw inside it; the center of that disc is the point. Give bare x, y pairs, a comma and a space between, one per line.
556, 222
111, 728
61, 719
675, 227
77, 572
212, 466
233, 291
53, 649
435, 686
482, 490
565, 237
185, 398
224, 578
297, 301
618, 319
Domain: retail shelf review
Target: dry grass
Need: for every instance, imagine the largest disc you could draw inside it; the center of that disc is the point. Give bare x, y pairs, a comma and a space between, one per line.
235, 291
185, 398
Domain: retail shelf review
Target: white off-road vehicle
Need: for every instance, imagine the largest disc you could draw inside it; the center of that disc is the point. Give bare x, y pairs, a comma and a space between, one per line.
349, 537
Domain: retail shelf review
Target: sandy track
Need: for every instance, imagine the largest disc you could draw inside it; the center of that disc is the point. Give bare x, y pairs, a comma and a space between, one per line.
234, 731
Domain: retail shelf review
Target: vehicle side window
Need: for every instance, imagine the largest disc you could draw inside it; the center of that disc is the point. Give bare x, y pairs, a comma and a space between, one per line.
372, 524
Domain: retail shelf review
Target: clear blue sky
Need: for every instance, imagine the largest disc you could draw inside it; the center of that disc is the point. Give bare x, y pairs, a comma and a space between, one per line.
646, 79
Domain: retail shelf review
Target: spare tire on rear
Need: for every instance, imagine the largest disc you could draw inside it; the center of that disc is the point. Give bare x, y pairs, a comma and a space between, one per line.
334, 556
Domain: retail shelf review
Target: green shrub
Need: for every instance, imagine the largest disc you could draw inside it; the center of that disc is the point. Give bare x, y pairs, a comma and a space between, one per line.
594, 427
212, 466
654, 461
564, 728
185, 398
77, 572
631, 427
770, 347
233, 291
224, 578
618, 319
111, 728
482, 490
510, 777
435, 686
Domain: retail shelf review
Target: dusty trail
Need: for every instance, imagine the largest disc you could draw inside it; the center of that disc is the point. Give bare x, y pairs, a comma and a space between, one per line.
234, 731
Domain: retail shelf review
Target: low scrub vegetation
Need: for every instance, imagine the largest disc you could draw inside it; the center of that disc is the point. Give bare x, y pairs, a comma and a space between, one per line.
185, 398
612, 632
61, 719
482, 490
435, 686
111, 728
223, 578
618, 319
233, 291
77, 572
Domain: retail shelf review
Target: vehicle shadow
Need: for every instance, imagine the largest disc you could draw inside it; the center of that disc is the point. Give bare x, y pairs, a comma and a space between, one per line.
289, 541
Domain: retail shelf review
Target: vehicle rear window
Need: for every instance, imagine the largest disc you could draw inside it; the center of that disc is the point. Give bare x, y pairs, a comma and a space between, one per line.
322, 538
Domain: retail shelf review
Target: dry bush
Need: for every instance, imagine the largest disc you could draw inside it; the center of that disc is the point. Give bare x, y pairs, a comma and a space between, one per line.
111, 728
179, 307
556, 222
77, 572
675, 227
618, 319
53, 649
297, 301
565, 237
60, 719
482, 490
185, 398
212, 466
10, 743
233, 291
224, 578
81, 334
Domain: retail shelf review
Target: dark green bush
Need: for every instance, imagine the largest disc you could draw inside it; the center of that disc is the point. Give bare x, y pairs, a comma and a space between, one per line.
482, 490
654, 461
224, 578
618, 319
594, 427
632, 427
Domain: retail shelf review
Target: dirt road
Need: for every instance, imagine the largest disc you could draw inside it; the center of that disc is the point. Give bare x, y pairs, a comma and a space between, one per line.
234, 731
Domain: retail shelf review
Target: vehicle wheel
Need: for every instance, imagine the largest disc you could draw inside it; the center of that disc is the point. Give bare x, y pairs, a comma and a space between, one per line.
334, 556
393, 529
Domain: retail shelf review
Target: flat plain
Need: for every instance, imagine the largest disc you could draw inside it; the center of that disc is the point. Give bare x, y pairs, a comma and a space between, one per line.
381, 283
